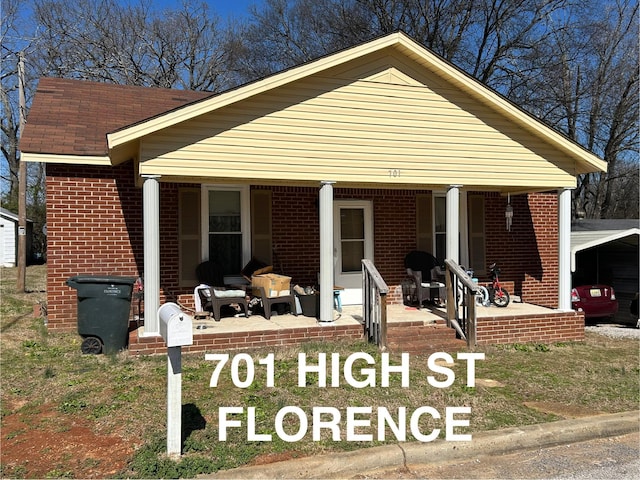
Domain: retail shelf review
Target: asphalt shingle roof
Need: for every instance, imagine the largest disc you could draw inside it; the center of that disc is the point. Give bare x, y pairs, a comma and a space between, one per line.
72, 117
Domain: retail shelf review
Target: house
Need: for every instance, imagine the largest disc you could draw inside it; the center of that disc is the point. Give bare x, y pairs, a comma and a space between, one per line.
370, 152
9, 231
606, 251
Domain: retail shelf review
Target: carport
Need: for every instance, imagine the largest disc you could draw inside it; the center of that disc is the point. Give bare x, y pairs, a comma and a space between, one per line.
606, 251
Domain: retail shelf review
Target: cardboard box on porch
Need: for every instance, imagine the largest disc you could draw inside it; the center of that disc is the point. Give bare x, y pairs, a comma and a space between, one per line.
274, 285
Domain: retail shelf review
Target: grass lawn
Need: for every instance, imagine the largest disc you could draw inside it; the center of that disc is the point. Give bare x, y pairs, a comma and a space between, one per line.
51, 392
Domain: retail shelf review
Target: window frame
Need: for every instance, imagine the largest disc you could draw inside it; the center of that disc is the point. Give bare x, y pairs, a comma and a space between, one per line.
245, 218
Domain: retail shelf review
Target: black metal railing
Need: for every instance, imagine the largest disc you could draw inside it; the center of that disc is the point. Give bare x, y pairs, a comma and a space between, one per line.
461, 302
374, 305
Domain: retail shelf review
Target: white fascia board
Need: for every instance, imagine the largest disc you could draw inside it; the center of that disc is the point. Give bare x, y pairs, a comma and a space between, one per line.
68, 159
488, 96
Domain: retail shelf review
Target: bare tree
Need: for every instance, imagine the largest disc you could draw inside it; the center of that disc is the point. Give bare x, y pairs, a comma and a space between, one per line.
16, 37
100, 40
9, 120
106, 40
586, 85
484, 37
572, 64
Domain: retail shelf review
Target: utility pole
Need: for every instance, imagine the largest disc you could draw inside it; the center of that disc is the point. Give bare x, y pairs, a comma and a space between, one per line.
22, 187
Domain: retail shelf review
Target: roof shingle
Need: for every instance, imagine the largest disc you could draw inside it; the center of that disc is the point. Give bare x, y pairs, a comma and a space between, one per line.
72, 117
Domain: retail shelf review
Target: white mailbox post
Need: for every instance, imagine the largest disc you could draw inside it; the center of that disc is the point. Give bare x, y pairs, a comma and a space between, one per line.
176, 329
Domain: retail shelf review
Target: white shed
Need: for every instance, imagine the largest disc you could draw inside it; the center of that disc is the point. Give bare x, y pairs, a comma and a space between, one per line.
9, 238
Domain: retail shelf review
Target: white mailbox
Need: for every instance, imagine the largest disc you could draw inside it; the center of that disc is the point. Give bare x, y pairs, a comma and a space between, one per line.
176, 327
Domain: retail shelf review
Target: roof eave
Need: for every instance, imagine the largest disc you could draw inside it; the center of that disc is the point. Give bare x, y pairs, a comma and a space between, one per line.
99, 160
604, 236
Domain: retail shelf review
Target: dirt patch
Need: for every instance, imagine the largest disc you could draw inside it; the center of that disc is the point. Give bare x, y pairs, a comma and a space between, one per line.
562, 410
48, 444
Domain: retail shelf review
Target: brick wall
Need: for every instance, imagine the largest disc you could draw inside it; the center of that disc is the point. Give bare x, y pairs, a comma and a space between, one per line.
548, 328
247, 340
94, 219
94, 226
528, 254
296, 233
296, 230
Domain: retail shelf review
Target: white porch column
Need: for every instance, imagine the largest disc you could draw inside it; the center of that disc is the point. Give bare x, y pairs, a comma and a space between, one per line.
151, 216
326, 251
453, 223
564, 249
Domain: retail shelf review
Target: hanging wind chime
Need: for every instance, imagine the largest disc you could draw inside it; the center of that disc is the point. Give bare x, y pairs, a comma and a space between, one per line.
509, 212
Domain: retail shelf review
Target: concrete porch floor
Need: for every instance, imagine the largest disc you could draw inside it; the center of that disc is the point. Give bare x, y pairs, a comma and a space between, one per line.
351, 316
534, 323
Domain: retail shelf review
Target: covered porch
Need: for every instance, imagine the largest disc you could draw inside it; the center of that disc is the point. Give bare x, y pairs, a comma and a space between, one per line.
518, 323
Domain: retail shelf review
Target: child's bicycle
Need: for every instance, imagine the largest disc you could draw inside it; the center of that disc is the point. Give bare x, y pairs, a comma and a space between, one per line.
482, 294
497, 294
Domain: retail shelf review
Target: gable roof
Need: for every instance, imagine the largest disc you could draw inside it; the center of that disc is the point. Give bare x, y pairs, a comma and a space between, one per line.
586, 161
125, 115
72, 117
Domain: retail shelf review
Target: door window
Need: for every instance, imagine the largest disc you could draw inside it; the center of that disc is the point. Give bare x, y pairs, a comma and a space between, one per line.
352, 238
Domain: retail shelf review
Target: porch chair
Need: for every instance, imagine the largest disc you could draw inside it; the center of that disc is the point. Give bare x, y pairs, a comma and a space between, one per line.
267, 302
211, 295
425, 276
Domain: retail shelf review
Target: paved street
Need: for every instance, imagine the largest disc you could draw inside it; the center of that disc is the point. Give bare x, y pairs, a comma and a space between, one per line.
599, 459
598, 447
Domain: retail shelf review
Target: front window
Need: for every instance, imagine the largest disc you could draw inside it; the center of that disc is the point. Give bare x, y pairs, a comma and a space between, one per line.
225, 229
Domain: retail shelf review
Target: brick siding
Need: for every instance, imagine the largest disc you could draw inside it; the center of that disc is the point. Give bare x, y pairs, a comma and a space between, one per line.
528, 254
94, 226
549, 328
94, 220
246, 340
546, 329
296, 230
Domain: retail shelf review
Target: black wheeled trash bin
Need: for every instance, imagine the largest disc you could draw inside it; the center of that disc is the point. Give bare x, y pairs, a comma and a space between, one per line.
104, 304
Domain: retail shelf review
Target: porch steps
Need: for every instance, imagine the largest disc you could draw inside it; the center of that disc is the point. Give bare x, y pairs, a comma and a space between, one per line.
418, 338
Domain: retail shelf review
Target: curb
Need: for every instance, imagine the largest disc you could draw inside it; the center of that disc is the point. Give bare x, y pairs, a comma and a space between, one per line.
496, 442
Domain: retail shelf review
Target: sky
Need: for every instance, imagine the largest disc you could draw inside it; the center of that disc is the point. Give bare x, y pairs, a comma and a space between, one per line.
224, 8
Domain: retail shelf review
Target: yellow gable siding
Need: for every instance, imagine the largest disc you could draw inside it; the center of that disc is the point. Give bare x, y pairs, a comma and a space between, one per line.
408, 132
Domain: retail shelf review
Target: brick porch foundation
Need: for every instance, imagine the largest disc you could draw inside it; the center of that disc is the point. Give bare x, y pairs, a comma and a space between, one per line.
207, 342
551, 327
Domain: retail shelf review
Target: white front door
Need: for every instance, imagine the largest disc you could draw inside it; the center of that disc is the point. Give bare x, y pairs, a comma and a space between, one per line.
352, 241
